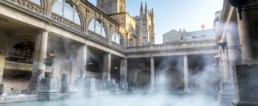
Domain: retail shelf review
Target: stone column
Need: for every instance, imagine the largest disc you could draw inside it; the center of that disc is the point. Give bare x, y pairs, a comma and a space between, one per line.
123, 74
226, 69
84, 61
2, 61
106, 69
152, 67
234, 51
245, 39
39, 56
186, 76
226, 87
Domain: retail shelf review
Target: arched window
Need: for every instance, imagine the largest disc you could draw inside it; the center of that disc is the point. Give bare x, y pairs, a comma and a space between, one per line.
116, 37
67, 10
97, 27
36, 1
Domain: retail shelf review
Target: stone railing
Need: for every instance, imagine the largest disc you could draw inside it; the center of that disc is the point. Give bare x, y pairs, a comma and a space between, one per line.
98, 37
164, 47
27, 5
117, 46
66, 22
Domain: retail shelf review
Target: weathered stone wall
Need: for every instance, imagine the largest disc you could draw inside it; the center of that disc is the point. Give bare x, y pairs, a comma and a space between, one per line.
15, 81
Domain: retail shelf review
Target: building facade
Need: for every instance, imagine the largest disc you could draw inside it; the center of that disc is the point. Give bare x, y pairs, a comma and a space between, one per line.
72, 43
182, 35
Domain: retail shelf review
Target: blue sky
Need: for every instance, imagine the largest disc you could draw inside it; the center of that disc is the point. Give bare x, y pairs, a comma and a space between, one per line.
177, 14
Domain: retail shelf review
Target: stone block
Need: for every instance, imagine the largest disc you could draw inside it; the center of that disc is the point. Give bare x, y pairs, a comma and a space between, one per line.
48, 89
246, 86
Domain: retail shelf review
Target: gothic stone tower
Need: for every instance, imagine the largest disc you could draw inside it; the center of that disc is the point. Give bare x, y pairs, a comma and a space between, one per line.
145, 26
112, 6
140, 27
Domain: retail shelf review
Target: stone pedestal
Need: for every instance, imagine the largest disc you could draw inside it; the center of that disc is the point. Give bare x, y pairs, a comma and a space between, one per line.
48, 89
226, 94
246, 86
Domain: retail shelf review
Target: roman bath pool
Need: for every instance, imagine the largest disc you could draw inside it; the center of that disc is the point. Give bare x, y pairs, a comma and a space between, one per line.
127, 100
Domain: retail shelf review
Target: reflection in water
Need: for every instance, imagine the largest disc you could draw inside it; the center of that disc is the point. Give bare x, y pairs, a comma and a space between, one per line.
128, 100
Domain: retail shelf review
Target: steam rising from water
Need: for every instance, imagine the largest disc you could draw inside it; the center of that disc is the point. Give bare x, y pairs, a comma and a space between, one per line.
129, 100
204, 96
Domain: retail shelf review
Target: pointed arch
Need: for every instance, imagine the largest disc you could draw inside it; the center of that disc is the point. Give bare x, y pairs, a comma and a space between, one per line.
68, 10
98, 27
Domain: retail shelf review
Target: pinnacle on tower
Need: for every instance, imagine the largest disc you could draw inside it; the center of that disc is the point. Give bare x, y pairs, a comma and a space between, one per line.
146, 8
141, 9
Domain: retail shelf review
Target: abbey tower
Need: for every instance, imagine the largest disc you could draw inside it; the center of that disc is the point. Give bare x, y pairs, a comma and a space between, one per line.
141, 28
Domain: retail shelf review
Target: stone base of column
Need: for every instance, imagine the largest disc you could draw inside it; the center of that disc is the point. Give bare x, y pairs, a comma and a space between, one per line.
112, 87
48, 89
1, 89
124, 86
226, 94
245, 78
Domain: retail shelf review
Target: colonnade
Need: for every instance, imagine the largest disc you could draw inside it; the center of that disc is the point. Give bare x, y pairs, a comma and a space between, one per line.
40, 58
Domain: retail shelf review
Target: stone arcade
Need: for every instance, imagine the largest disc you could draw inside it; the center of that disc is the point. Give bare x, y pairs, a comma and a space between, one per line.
61, 43
49, 48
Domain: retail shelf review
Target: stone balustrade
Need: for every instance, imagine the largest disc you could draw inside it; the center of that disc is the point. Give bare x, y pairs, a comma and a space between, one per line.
179, 45
118, 46
97, 37
27, 5
66, 22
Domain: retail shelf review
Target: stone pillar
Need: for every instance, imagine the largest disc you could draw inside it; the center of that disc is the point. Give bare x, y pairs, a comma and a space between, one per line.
227, 77
106, 69
40, 54
186, 76
152, 67
84, 61
123, 74
231, 58
233, 49
2, 61
245, 39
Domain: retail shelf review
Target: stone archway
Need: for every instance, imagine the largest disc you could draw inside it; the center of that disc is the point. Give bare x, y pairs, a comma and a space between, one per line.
143, 80
170, 80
